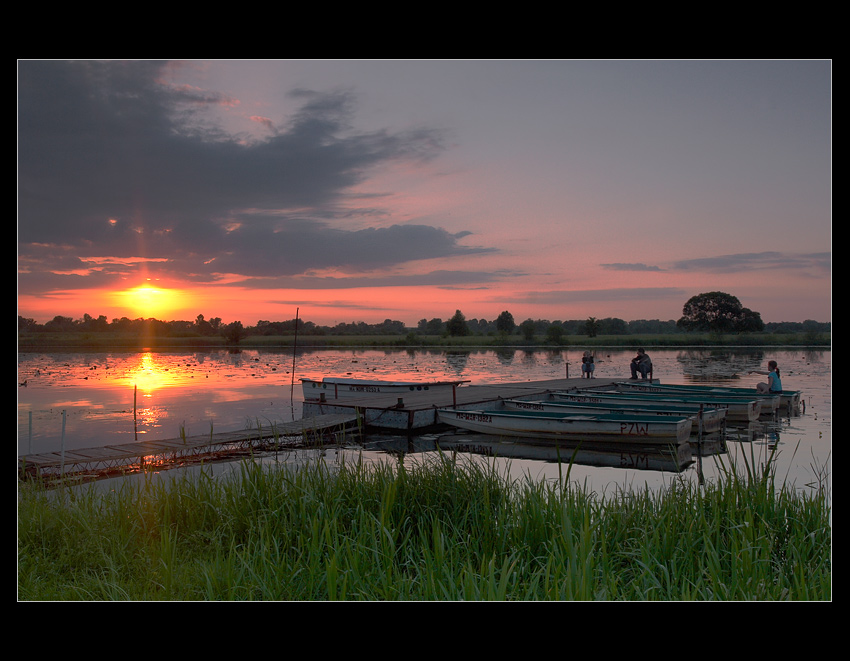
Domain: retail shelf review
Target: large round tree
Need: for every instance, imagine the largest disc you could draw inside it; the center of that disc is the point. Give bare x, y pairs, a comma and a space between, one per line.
457, 325
718, 312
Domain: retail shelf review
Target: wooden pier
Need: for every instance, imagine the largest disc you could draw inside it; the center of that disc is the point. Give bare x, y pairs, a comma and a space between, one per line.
321, 419
136, 456
418, 409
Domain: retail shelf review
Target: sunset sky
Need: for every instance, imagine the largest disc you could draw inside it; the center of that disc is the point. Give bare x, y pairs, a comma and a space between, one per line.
381, 189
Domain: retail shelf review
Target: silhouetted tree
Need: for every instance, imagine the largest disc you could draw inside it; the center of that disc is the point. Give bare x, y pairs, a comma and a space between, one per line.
233, 332
718, 312
527, 329
505, 323
457, 325
555, 334
434, 326
591, 327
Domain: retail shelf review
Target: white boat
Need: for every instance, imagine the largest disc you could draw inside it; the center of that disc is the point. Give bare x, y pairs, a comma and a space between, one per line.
557, 426
736, 409
339, 387
705, 419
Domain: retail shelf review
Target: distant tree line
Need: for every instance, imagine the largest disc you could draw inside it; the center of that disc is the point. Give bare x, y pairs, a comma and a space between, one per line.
712, 312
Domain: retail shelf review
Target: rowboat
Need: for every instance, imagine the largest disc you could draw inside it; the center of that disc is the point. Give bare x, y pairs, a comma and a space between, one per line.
706, 419
736, 409
550, 426
739, 407
787, 398
338, 387
768, 403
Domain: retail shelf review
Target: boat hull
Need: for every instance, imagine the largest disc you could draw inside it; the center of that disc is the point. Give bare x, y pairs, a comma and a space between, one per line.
341, 388
707, 420
736, 409
557, 426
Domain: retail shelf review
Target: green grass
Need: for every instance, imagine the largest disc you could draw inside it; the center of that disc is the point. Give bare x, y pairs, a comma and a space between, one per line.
441, 529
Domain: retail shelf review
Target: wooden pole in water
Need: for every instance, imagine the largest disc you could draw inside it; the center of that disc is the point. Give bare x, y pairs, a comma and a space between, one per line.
62, 464
135, 423
294, 348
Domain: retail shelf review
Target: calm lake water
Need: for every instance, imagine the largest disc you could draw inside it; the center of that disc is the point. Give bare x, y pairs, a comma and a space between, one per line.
203, 390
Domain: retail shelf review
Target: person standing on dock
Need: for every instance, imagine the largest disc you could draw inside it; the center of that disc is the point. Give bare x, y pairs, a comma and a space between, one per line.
774, 383
587, 365
641, 363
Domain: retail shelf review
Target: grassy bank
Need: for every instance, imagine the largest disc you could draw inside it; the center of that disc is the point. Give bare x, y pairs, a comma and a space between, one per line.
439, 530
118, 341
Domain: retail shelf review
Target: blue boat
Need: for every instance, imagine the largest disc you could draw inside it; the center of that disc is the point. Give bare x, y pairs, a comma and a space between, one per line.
739, 408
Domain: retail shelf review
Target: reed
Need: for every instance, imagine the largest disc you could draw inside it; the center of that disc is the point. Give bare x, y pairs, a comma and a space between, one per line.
445, 528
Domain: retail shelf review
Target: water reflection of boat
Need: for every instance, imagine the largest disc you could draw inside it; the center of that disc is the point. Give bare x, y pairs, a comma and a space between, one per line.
338, 387
632, 456
559, 426
705, 419
673, 458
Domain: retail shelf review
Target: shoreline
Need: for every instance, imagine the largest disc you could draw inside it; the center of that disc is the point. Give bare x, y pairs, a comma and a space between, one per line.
47, 342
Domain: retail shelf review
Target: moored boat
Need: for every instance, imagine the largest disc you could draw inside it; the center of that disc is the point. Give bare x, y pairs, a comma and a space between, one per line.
340, 387
741, 409
558, 426
784, 399
768, 404
705, 419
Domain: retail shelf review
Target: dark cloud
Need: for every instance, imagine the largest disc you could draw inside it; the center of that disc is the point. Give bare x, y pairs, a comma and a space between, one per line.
741, 262
630, 267
113, 162
440, 278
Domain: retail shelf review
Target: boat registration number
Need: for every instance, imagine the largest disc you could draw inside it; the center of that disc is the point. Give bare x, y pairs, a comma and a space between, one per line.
475, 417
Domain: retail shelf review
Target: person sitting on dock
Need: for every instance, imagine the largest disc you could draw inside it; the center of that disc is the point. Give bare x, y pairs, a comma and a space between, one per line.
587, 365
774, 383
641, 363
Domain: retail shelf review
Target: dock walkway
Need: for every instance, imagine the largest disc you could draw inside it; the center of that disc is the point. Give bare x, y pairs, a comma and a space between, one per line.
134, 456
418, 410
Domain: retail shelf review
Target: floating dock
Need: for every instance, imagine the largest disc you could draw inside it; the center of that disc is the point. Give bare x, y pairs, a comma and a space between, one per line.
128, 457
418, 410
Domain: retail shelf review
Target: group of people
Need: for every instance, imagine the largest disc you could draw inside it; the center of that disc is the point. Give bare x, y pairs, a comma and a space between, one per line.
642, 365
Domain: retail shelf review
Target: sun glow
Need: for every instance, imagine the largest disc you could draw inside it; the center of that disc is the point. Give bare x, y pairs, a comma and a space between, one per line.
149, 301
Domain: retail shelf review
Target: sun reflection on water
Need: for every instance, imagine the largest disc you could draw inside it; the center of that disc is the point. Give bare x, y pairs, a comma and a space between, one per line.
148, 376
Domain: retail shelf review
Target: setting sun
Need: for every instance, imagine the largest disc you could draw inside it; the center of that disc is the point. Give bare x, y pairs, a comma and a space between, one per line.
147, 301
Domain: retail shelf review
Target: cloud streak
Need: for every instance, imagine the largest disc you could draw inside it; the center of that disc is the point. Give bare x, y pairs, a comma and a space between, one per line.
745, 262
569, 297
820, 263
